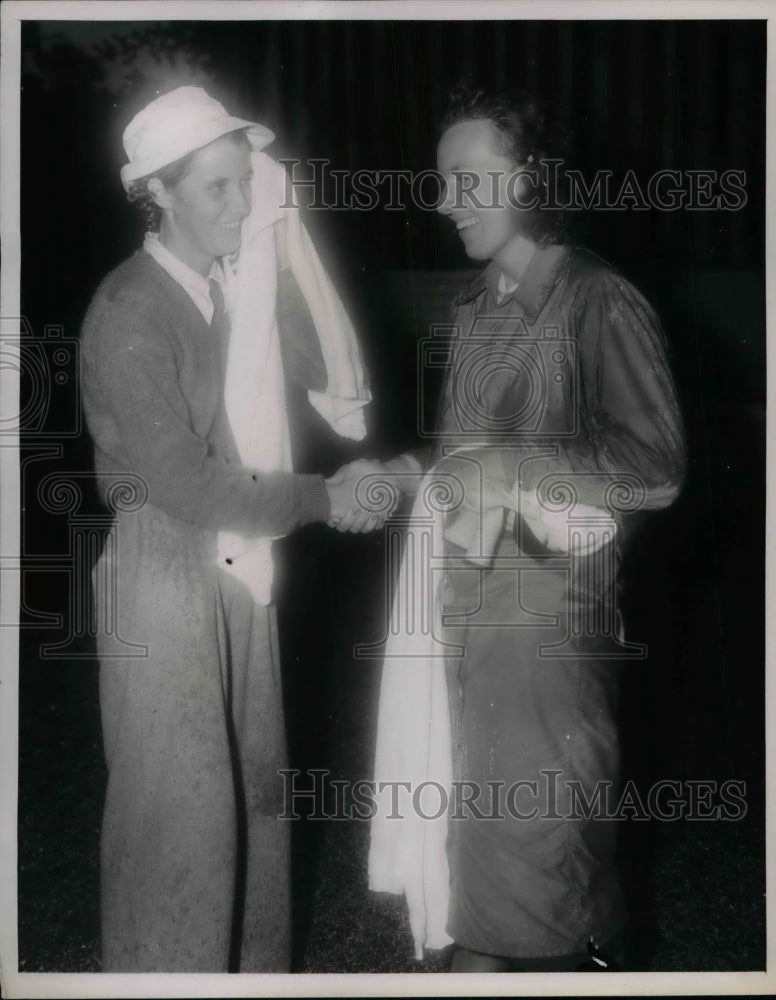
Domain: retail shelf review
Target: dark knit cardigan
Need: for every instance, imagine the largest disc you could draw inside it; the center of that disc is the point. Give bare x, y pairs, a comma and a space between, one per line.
152, 381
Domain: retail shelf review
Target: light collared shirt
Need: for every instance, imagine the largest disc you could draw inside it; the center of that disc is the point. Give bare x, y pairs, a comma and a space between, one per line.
194, 284
505, 286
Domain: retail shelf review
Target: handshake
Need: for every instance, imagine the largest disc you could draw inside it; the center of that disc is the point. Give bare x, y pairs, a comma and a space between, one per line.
365, 493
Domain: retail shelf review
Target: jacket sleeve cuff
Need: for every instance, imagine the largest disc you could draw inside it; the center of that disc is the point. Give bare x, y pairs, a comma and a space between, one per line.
314, 503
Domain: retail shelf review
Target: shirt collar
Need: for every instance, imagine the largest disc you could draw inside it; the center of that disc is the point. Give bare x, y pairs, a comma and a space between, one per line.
196, 285
506, 286
534, 287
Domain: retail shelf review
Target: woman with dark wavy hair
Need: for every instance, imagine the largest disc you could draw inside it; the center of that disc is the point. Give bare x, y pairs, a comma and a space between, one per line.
559, 419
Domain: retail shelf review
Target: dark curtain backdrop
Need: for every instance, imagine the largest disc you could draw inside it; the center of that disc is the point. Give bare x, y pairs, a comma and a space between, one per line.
638, 95
367, 95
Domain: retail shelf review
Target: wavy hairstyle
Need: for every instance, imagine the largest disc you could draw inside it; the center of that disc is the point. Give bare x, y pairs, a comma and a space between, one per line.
532, 136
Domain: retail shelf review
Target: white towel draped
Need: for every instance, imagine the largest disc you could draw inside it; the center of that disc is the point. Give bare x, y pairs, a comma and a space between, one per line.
254, 388
408, 856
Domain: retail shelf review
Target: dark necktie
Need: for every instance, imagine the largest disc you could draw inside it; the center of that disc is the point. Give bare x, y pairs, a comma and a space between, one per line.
219, 324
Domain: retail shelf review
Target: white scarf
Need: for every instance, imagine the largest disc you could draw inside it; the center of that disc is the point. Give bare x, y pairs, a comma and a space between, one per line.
254, 390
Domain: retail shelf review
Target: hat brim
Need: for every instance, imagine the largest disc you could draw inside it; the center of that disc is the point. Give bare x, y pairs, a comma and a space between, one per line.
258, 136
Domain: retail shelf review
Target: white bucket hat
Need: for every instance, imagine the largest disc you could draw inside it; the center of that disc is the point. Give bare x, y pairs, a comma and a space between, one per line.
177, 123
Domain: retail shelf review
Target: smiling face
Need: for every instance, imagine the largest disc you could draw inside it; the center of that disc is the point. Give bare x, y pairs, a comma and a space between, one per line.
202, 214
480, 181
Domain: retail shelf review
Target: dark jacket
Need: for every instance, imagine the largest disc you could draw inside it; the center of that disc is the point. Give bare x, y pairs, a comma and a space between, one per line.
566, 383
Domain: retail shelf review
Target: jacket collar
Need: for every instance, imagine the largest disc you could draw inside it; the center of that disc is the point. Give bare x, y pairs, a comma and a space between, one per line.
535, 286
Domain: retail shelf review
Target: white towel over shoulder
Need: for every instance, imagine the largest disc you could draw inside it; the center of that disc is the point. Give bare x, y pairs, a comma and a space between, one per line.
254, 389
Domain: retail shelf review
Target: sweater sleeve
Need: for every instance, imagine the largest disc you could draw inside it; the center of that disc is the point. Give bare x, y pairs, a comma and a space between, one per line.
138, 416
629, 423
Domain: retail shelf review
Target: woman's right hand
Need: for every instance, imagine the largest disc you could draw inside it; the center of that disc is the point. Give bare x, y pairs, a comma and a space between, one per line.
354, 506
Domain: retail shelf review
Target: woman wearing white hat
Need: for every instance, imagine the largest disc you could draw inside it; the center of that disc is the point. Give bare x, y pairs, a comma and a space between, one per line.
194, 861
